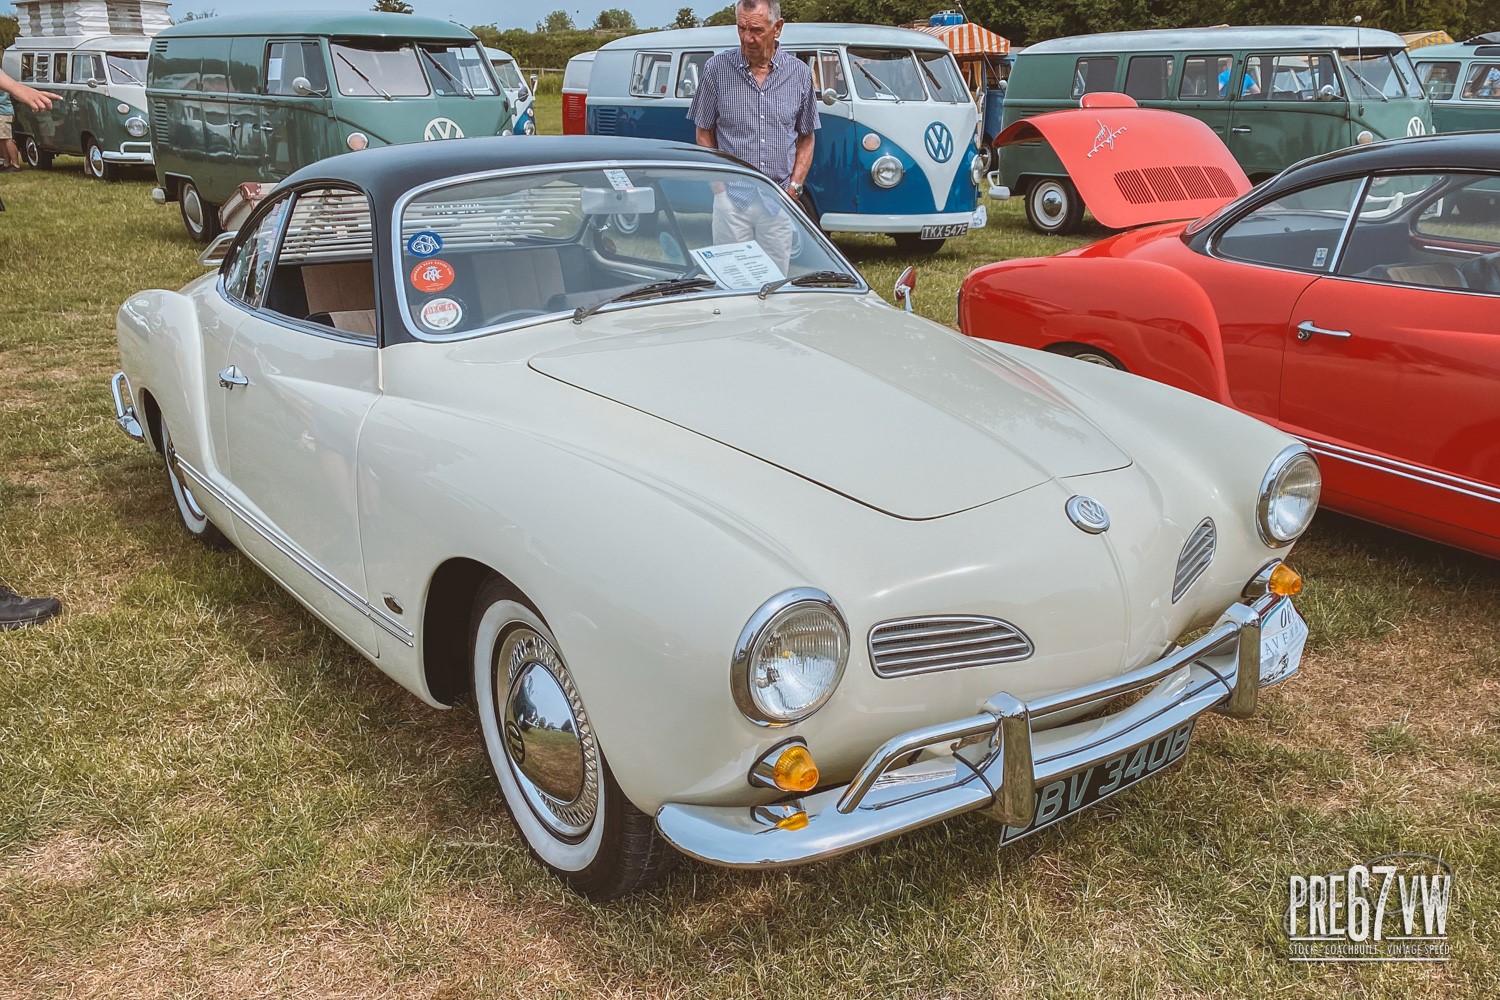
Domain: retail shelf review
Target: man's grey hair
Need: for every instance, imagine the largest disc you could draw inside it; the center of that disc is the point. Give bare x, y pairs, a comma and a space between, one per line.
772, 7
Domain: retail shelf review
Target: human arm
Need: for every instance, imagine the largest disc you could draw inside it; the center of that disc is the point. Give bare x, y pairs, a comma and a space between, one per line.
36, 100
801, 160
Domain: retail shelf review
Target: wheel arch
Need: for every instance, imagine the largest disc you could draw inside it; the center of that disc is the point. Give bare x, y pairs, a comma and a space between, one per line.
152, 412
446, 617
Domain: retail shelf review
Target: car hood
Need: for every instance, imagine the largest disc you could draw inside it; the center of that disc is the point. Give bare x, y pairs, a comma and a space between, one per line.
889, 410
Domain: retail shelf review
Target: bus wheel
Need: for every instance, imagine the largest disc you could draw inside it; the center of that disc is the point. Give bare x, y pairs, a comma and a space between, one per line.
199, 216
36, 156
1053, 206
94, 163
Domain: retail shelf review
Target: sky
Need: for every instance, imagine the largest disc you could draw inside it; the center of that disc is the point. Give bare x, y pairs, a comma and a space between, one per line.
504, 13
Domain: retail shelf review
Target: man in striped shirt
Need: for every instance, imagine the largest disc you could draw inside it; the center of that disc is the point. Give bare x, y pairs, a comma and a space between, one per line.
757, 103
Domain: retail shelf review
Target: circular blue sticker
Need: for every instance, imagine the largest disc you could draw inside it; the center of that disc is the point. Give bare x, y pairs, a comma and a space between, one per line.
424, 244
670, 248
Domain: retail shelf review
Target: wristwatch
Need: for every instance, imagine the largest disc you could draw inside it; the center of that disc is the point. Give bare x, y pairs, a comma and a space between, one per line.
795, 188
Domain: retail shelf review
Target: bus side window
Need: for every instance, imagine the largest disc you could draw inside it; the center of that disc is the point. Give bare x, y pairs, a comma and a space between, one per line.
691, 73
1094, 74
831, 76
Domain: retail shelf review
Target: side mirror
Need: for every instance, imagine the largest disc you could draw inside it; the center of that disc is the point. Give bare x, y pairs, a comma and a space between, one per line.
302, 87
1326, 92
524, 95
93, 84
1003, 85
905, 286
213, 255
828, 96
533, 83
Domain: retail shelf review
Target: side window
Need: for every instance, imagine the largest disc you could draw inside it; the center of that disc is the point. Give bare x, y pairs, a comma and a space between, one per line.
248, 270
1450, 239
1200, 78
42, 69
649, 78
1309, 77
285, 61
830, 74
88, 67
1438, 79
1149, 78
1094, 74
1299, 230
60, 67
326, 272
1483, 83
691, 73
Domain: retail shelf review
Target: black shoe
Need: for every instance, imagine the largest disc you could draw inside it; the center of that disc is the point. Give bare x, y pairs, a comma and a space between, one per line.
13, 170
17, 611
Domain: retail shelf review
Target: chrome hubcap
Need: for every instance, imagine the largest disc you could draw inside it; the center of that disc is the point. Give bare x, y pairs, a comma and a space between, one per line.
192, 207
96, 160
1050, 204
548, 740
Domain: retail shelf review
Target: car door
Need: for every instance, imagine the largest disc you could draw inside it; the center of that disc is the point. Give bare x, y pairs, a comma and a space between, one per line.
1286, 107
302, 375
1393, 362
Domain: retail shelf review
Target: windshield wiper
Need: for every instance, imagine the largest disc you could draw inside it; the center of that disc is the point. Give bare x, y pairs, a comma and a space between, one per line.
361, 73
124, 72
1367, 84
444, 70
876, 81
925, 69
672, 286
806, 280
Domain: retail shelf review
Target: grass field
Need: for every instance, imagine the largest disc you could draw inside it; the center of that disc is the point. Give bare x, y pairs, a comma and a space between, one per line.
203, 793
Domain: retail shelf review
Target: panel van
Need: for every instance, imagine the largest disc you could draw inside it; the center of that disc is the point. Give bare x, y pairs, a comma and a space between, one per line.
1462, 81
522, 95
575, 93
1276, 95
93, 55
253, 97
898, 147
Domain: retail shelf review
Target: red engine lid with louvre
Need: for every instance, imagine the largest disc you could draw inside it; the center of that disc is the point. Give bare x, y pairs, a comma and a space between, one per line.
1135, 166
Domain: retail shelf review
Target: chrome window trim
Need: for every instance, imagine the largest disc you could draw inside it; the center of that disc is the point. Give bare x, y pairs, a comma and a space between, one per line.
739, 663
293, 552
401, 203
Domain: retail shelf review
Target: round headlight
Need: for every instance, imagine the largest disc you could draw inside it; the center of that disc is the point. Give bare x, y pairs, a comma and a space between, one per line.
1288, 496
1365, 137
135, 125
887, 171
505, 131
789, 657
530, 127
358, 140
976, 169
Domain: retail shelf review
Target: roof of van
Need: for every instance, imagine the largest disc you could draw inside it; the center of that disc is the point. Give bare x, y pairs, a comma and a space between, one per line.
794, 33
1458, 50
320, 22
500, 54
1211, 39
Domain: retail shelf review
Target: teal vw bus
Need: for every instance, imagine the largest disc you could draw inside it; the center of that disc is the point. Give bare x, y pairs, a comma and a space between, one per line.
252, 98
1276, 95
1463, 82
93, 56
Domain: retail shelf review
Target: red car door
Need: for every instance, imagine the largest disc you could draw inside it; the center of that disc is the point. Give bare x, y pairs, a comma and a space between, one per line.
1397, 389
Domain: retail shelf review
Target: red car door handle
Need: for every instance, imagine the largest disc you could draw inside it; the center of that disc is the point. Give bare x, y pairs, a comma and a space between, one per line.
1305, 331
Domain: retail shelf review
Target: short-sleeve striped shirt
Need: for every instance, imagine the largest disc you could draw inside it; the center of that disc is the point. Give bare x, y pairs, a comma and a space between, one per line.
758, 124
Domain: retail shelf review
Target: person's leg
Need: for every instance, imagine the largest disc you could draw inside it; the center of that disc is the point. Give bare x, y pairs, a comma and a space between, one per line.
773, 230
11, 154
17, 611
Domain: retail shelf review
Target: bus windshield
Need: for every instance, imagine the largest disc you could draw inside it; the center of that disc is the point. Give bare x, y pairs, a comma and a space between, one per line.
886, 75
510, 76
1379, 76
378, 69
127, 67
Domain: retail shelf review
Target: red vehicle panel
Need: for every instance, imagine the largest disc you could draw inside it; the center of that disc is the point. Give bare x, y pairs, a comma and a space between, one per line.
1352, 301
575, 114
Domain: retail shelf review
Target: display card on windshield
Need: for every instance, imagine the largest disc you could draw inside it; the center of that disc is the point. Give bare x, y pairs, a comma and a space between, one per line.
738, 265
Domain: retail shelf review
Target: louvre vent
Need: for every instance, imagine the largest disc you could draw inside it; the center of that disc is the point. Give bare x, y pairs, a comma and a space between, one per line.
1195, 557
332, 224
946, 642
551, 212
606, 120
159, 130
1153, 184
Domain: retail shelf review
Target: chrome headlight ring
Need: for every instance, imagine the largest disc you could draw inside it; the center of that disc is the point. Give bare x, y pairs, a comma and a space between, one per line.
135, 125
1288, 497
800, 609
887, 171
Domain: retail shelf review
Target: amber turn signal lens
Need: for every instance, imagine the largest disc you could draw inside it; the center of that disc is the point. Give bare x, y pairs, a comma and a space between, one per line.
1285, 581
795, 821
795, 770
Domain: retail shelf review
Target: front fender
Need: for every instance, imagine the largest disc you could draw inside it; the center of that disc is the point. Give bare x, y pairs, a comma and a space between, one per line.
161, 351
1156, 320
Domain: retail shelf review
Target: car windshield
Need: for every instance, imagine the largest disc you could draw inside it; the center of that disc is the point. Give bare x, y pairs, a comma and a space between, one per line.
127, 67
1379, 75
886, 75
506, 250
510, 76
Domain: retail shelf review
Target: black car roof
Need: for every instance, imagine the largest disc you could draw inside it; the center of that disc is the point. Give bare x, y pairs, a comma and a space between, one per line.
1452, 151
388, 171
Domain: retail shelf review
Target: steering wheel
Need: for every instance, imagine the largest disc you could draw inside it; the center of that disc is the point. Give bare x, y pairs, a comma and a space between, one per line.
511, 315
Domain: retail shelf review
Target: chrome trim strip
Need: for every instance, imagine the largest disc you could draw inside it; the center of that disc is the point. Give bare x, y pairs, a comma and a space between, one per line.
903, 647
1428, 477
289, 548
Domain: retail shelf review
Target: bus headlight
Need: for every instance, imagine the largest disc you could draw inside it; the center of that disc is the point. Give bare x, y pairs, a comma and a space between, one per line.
887, 171
135, 125
976, 169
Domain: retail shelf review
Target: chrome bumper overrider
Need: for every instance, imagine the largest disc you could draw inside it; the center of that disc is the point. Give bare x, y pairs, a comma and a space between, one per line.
992, 760
124, 409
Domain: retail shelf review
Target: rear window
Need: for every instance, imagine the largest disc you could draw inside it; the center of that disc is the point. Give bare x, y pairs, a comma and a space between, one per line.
576, 75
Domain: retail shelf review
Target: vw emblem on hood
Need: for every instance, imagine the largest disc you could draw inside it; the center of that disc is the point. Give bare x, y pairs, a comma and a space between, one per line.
442, 128
1416, 126
1088, 514
939, 142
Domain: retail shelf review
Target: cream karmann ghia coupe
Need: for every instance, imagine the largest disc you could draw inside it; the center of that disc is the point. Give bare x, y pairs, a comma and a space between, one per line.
732, 555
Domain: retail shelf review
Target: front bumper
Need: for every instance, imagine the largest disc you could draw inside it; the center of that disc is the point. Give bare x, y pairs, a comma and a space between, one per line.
992, 760
125, 417
852, 222
130, 152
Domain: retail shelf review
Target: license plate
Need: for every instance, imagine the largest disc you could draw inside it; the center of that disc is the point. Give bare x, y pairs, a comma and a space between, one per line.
943, 232
1071, 793
1283, 634
980, 219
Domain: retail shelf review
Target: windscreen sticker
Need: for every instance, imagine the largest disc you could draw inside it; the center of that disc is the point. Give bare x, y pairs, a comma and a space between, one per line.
738, 265
1320, 257
619, 180
424, 244
441, 314
432, 276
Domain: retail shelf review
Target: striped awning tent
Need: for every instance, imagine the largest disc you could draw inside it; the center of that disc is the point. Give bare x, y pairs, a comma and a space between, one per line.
968, 39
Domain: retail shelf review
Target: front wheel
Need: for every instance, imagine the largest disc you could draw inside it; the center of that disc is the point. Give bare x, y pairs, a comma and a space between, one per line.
1053, 207
913, 243
1091, 355
94, 163
546, 757
199, 216
36, 157
192, 516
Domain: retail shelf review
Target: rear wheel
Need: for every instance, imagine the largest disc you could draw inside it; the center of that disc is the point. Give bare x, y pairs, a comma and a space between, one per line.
1053, 206
199, 216
35, 156
913, 243
546, 756
1092, 355
94, 163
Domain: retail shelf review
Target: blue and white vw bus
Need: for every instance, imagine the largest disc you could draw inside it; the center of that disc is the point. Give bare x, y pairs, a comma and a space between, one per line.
897, 151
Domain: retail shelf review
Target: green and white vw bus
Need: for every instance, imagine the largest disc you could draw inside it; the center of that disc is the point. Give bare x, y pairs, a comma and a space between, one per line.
1276, 95
1463, 82
249, 99
93, 55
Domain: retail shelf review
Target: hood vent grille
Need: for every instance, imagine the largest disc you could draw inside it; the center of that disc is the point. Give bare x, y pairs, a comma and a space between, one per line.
947, 642
1195, 557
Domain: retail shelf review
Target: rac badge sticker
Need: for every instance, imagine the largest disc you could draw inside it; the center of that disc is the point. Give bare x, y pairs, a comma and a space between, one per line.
432, 276
1106, 138
1088, 514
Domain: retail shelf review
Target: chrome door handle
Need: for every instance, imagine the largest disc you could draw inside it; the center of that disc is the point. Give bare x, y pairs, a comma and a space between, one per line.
231, 377
266, 127
1305, 331
1241, 129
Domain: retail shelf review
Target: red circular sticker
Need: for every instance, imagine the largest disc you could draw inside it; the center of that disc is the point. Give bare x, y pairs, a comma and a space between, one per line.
432, 275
